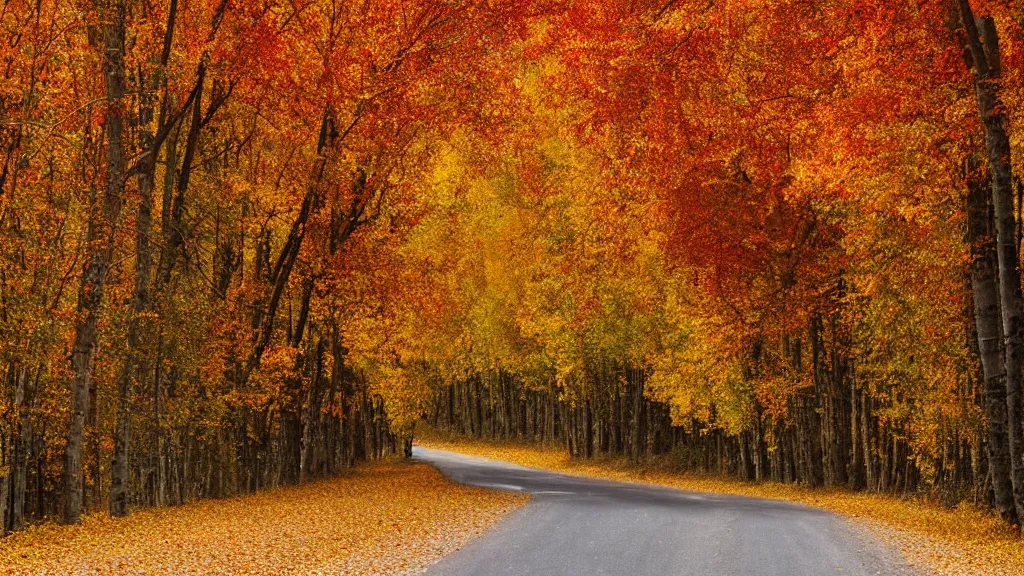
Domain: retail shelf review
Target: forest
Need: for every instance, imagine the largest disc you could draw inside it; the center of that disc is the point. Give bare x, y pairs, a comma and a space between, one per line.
249, 243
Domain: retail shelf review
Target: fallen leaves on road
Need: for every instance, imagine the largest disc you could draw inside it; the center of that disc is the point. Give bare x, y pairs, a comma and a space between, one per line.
386, 518
961, 542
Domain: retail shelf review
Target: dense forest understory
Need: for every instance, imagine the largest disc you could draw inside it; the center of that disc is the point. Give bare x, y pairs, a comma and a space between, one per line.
244, 244
826, 446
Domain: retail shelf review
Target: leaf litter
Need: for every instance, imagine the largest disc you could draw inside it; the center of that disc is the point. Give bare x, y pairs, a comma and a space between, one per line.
387, 518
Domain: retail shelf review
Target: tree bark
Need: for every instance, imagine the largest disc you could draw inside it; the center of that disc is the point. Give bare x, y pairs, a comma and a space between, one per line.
5, 475
636, 444
5, 481
983, 44
989, 329
19, 469
870, 460
130, 372
103, 221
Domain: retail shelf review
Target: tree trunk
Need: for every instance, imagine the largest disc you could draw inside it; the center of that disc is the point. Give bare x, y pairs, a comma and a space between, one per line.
870, 462
140, 303
588, 430
311, 417
5, 476
984, 49
19, 470
985, 294
636, 442
857, 462
100, 239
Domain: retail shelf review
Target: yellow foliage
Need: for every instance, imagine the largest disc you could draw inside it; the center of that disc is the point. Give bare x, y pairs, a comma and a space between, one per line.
385, 518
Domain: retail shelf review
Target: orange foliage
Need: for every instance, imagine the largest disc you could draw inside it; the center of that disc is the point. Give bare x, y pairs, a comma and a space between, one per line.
379, 519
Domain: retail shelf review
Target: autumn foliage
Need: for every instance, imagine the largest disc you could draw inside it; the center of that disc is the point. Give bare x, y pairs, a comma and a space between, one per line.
244, 244
384, 518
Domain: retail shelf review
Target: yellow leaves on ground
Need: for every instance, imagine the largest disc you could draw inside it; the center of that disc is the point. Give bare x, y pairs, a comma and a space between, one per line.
943, 542
392, 518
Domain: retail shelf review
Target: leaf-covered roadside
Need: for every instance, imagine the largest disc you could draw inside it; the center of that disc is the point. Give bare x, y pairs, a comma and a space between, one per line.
381, 519
959, 542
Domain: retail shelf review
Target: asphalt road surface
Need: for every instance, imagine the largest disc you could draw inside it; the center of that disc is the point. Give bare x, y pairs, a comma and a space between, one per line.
580, 526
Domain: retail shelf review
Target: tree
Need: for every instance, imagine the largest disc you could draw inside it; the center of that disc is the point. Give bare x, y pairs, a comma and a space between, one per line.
104, 219
983, 46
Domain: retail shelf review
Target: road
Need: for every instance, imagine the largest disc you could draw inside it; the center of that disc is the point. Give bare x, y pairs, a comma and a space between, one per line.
580, 526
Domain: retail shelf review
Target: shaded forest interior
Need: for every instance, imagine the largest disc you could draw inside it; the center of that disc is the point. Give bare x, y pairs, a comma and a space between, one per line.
825, 445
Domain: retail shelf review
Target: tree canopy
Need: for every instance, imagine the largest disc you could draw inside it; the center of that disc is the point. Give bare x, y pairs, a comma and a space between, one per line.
246, 243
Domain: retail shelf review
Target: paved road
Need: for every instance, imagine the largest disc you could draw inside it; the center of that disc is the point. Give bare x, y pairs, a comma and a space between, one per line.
580, 526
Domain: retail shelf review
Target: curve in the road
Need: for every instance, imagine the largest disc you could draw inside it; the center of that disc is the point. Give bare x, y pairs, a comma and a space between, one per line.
581, 526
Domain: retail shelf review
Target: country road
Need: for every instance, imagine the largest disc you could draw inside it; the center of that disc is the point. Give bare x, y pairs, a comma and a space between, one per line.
581, 526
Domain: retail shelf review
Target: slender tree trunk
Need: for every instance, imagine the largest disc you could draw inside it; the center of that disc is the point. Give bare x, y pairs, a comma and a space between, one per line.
5, 475
100, 236
588, 430
19, 469
983, 44
857, 462
311, 417
5, 482
870, 461
985, 294
130, 372
636, 442
477, 407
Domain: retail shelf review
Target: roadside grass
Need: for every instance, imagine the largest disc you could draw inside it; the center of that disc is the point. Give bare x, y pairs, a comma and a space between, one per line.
381, 518
939, 541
